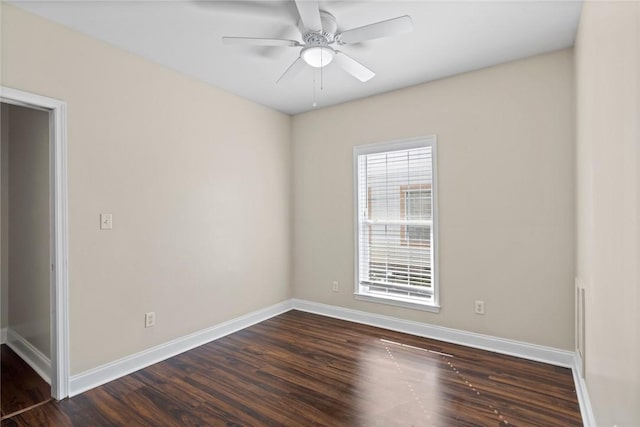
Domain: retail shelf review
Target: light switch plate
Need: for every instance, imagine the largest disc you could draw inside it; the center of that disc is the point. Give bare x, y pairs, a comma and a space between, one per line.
106, 221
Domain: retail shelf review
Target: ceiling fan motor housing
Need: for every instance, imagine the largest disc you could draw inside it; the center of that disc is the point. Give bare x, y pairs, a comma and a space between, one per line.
323, 37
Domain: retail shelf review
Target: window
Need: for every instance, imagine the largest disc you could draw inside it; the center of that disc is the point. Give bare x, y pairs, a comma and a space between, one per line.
397, 223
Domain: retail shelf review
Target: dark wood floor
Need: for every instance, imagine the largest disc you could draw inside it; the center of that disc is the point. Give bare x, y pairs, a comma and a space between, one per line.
301, 369
20, 386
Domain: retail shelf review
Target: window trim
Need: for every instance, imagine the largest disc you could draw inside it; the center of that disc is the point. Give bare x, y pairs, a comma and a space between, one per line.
402, 144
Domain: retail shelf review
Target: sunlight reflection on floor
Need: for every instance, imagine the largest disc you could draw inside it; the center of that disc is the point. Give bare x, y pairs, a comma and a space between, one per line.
402, 385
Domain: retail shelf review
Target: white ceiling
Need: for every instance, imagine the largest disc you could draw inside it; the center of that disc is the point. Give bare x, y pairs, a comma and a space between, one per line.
448, 38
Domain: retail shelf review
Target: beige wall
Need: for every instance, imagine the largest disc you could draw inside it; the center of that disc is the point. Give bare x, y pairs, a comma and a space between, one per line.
608, 205
28, 225
197, 180
505, 147
4, 217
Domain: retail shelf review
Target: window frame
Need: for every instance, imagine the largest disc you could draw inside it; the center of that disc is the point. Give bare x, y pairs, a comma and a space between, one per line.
433, 304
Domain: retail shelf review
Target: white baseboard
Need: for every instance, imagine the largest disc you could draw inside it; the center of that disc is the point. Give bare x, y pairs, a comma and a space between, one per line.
552, 356
588, 419
102, 374
3, 336
31, 355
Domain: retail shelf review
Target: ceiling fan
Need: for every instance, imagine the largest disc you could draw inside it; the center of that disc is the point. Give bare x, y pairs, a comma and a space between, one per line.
319, 32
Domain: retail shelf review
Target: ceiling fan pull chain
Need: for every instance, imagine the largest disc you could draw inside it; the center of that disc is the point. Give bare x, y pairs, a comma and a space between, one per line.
322, 78
314, 104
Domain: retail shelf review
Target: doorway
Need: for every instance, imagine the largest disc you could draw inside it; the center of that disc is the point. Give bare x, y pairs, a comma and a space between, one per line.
33, 304
26, 260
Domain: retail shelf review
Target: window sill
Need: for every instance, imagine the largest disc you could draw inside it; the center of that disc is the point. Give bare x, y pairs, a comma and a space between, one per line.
399, 302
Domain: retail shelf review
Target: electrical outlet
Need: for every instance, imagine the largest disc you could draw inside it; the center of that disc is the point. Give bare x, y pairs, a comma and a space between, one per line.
479, 307
106, 221
149, 319
336, 286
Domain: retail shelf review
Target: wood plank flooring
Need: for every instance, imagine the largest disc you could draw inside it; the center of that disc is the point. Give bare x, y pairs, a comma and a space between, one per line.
20, 386
300, 369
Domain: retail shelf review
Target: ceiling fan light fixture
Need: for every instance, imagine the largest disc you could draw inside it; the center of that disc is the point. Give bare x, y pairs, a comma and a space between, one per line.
317, 56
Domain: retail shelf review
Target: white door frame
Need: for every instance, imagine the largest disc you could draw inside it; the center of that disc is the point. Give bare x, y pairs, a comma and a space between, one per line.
59, 236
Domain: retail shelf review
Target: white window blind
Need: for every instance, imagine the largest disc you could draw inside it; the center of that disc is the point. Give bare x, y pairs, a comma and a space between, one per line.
395, 190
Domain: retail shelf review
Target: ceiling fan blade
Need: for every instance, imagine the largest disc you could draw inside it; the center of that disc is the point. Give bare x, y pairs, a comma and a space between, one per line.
309, 11
390, 27
353, 67
293, 70
258, 41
